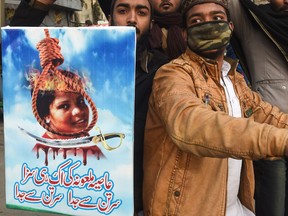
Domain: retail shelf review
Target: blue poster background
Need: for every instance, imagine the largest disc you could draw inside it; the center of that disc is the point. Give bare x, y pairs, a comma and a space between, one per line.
106, 57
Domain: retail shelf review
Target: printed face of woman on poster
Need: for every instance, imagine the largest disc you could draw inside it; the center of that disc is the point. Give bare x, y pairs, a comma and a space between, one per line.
64, 112
62, 107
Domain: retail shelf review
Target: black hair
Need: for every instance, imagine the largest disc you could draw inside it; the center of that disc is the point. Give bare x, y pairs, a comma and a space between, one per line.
46, 97
88, 23
44, 100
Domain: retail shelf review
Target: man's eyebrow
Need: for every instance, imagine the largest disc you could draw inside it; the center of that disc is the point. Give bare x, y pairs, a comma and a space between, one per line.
195, 14
212, 12
218, 12
138, 6
122, 5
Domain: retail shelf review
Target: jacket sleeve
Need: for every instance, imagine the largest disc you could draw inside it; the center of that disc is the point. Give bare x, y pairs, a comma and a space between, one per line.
197, 129
243, 29
264, 112
25, 15
243, 25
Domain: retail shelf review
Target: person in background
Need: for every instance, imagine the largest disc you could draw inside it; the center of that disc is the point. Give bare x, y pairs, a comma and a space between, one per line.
138, 14
166, 34
31, 13
88, 23
205, 125
260, 41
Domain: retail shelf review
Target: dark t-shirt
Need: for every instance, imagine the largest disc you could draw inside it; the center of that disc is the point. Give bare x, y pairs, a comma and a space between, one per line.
144, 83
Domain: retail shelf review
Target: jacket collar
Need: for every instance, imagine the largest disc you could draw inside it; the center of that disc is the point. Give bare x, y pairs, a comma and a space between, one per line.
209, 66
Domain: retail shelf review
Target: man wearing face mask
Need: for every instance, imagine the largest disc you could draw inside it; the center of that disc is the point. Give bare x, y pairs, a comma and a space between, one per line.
205, 126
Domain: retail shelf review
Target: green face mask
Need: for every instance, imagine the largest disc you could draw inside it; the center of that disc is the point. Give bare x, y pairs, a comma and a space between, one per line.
209, 36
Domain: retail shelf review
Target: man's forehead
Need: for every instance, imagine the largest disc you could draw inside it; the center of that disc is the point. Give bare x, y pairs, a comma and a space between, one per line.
133, 3
188, 4
207, 7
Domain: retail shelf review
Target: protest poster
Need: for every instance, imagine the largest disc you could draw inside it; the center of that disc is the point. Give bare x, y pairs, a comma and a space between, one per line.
68, 96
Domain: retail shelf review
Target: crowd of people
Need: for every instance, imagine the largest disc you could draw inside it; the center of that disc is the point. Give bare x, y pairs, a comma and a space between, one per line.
206, 142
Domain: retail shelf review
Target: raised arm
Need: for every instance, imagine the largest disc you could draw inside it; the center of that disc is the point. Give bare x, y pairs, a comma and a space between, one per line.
31, 12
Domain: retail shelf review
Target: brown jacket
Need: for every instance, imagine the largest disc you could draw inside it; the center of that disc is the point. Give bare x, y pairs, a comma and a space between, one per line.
189, 137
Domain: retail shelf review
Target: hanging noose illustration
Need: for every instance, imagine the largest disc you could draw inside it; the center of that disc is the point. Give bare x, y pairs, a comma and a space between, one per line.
50, 58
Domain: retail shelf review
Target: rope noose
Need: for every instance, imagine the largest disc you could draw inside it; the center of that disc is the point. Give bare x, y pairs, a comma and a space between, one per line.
50, 58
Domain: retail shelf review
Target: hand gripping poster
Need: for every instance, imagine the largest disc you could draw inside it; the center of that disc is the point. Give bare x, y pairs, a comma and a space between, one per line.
68, 98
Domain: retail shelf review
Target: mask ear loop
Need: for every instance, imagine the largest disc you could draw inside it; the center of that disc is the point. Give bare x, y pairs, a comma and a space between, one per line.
50, 59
